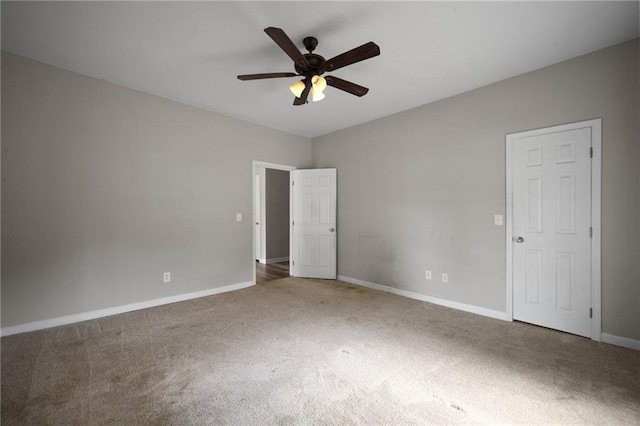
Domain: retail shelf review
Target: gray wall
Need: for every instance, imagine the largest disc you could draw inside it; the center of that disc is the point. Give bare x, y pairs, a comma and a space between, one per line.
105, 188
277, 213
418, 190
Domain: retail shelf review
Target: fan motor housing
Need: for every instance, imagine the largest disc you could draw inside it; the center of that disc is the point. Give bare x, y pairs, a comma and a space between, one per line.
315, 65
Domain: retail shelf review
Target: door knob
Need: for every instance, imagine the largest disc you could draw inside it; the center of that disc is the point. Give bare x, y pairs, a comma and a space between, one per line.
332, 230
519, 240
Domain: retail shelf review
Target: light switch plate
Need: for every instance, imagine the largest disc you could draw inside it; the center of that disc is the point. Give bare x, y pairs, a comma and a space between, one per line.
498, 219
238, 217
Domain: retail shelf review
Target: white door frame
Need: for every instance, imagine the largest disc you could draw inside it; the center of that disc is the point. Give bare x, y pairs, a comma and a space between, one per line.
254, 168
596, 201
257, 209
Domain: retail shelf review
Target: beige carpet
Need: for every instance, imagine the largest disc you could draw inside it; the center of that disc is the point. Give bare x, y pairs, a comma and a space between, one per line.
298, 351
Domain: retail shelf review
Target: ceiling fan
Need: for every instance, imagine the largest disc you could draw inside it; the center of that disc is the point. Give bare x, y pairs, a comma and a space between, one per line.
311, 66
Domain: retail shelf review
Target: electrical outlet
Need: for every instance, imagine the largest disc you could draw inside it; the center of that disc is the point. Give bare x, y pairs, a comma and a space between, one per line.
427, 275
445, 278
498, 220
166, 277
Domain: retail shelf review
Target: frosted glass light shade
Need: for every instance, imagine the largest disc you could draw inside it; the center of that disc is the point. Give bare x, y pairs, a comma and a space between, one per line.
319, 83
297, 88
316, 95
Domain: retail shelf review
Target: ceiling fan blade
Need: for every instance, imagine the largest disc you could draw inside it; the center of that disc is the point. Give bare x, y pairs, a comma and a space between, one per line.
246, 77
346, 86
305, 93
285, 43
360, 53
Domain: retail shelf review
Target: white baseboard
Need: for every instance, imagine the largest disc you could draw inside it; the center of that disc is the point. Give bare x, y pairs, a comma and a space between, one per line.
606, 338
278, 259
84, 316
70, 319
625, 342
417, 296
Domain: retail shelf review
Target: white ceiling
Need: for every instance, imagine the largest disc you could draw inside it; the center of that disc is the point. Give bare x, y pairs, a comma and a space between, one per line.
191, 52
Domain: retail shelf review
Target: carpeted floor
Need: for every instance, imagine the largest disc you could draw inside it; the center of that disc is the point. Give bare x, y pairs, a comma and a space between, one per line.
296, 351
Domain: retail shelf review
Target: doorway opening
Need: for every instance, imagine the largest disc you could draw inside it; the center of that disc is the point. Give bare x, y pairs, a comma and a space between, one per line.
271, 218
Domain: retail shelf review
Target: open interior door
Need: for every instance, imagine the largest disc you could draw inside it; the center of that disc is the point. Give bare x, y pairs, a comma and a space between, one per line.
313, 230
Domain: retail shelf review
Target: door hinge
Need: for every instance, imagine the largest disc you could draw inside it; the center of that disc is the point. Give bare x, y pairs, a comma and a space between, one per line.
293, 183
590, 312
591, 232
293, 222
293, 263
591, 152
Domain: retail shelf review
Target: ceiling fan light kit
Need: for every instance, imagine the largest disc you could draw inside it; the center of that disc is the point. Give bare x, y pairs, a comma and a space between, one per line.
311, 66
318, 84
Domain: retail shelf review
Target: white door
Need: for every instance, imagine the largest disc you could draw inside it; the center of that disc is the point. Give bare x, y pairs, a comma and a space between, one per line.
313, 242
256, 216
551, 230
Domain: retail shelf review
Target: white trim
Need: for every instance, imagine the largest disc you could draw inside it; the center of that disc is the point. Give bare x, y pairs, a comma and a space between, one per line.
273, 166
611, 339
278, 259
84, 316
263, 261
257, 201
509, 229
596, 201
596, 223
422, 297
254, 166
291, 254
625, 342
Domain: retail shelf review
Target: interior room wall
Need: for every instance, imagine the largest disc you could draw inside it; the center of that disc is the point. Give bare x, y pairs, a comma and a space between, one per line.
105, 188
277, 214
418, 190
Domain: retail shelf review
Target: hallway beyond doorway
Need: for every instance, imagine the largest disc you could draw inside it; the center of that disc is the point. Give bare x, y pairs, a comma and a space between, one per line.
271, 271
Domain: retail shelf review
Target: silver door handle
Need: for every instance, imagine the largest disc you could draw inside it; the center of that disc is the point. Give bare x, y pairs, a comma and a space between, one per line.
519, 240
332, 230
